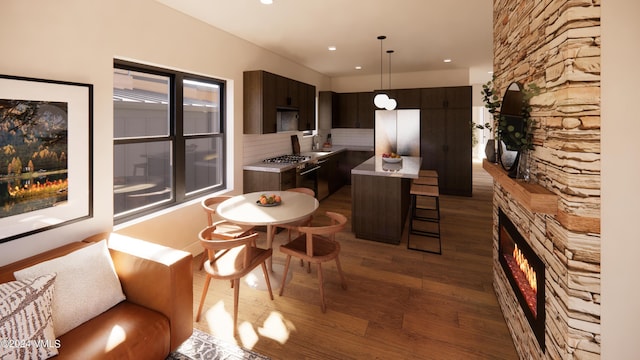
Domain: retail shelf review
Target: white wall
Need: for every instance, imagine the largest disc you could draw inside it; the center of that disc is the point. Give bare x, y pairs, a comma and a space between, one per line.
74, 40
620, 180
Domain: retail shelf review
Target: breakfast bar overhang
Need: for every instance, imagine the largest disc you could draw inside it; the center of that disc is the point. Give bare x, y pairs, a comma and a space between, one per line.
380, 197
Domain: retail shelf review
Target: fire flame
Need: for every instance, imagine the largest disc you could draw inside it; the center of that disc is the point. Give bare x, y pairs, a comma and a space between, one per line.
528, 271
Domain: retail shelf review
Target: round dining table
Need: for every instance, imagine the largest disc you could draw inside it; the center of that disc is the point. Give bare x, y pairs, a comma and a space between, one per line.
245, 209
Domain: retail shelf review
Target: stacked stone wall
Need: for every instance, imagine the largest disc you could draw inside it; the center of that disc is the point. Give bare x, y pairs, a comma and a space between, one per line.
556, 45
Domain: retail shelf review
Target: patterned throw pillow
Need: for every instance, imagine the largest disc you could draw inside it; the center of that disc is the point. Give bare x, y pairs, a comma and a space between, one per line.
26, 326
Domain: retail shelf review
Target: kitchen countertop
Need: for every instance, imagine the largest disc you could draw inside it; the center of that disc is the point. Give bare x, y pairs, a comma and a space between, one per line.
409, 167
315, 155
348, 147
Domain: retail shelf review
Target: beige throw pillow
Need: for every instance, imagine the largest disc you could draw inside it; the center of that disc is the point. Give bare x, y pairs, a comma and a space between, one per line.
26, 326
86, 285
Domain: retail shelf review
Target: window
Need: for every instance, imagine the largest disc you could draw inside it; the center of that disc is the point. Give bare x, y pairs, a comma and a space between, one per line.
169, 138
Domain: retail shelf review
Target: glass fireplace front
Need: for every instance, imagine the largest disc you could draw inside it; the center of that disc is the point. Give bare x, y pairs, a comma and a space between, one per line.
525, 271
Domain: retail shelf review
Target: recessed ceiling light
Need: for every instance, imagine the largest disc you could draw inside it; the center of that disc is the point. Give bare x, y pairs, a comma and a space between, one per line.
358, 67
267, 2
447, 60
332, 48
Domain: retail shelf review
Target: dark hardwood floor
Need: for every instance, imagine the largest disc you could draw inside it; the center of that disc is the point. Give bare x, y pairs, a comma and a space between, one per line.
400, 303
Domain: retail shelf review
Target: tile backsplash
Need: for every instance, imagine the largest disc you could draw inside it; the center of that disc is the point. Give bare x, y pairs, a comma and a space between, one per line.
259, 147
352, 137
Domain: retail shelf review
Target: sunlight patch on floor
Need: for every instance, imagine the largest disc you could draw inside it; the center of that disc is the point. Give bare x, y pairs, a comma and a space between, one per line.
220, 322
252, 280
276, 327
247, 334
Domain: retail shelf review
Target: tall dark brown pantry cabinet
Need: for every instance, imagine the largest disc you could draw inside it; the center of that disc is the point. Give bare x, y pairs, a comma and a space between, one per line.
445, 137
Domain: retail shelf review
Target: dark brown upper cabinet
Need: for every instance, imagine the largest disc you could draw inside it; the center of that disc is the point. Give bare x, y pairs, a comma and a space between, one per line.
287, 92
347, 111
354, 110
366, 110
307, 107
407, 98
259, 102
327, 109
445, 97
265, 93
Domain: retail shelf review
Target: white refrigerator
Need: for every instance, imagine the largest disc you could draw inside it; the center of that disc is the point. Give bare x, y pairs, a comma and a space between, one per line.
397, 131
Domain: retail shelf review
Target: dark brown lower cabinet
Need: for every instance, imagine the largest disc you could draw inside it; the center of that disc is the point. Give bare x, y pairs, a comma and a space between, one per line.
379, 207
268, 180
349, 160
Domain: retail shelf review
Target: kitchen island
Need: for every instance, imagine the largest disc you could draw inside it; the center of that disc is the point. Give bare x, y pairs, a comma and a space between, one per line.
380, 197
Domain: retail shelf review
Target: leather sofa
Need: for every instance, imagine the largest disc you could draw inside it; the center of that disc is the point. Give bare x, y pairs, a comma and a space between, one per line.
155, 318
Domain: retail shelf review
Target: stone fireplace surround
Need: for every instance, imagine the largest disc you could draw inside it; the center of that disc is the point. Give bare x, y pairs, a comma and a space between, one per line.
555, 44
572, 301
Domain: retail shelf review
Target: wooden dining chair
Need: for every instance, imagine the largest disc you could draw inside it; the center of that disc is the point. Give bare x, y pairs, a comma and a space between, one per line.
227, 228
231, 258
317, 244
292, 226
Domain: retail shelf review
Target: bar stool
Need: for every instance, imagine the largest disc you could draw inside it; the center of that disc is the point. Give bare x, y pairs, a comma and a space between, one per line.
425, 208
426, 180
427, 177
428, 173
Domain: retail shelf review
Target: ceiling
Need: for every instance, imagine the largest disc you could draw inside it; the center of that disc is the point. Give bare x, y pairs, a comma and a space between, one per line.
422, 33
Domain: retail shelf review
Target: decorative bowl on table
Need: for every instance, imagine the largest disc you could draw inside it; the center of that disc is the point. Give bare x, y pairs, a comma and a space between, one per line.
391, 158
391, 167
269, 200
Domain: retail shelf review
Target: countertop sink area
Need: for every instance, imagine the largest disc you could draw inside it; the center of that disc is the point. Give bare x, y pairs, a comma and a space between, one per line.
319, 154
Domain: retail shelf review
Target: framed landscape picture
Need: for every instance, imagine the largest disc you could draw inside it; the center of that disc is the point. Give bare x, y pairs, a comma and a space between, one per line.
45, 154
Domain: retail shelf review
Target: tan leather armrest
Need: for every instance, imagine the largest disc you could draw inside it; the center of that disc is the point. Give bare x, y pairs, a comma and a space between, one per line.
156, 277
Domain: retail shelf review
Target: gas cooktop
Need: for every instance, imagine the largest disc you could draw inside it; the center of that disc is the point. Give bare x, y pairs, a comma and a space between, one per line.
287, 159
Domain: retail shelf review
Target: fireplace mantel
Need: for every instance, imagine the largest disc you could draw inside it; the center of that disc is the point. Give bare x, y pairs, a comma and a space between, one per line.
534, 197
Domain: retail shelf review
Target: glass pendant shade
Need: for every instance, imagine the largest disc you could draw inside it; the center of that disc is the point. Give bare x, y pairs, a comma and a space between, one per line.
391, 104
381, 100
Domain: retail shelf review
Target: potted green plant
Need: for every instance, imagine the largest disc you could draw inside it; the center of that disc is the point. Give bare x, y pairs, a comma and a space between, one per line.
492, 103
516, 138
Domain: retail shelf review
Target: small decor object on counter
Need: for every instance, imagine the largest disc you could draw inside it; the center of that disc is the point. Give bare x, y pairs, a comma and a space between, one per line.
490, 150
524, 172
391, 157
271, 200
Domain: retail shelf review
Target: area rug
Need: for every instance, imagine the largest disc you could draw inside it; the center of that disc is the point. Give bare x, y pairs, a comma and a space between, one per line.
203, 346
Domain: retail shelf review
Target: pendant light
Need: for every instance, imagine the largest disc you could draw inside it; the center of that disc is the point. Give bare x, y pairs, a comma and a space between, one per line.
391, 103
381, 99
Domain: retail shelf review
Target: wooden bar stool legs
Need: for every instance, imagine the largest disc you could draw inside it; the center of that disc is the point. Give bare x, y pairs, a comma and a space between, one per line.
425, 211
